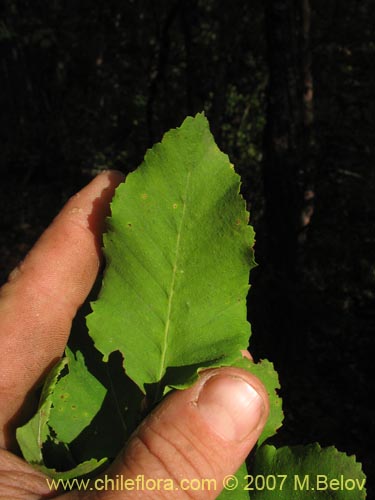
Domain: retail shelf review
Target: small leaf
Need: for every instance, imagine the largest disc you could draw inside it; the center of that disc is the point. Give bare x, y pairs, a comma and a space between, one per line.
77, 398
118, 416
32, 435
69, 388
310, 472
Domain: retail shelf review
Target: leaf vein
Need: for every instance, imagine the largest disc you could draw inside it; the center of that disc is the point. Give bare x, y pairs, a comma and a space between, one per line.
172, 285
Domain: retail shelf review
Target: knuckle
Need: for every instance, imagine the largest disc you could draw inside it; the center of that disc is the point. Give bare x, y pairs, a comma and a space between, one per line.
170, 456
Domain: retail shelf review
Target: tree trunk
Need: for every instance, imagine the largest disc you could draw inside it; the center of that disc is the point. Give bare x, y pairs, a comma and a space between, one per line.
282, 136
308, 142
289, 114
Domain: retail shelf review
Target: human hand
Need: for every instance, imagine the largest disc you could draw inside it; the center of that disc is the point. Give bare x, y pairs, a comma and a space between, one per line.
205, 431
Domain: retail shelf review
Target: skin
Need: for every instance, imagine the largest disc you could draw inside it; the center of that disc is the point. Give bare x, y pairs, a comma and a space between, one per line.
182, 438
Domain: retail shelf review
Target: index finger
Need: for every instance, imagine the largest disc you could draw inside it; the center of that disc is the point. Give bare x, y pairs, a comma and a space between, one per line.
42, 296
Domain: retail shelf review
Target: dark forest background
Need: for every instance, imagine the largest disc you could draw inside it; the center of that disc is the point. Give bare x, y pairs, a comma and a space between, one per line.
288, 87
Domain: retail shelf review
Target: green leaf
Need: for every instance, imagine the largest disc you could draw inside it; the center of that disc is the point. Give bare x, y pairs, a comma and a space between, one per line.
77, 398
179, 251
235, 488
118, 416
310, 472
70, 399
32, 435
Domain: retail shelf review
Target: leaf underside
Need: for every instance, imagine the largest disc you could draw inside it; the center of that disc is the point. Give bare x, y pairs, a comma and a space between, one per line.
179, 251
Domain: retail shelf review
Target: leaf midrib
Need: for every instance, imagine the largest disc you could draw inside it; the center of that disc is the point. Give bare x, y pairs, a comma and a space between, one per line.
171, 291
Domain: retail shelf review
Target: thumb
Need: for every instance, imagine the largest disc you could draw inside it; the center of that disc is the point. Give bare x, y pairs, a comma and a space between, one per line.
199, 434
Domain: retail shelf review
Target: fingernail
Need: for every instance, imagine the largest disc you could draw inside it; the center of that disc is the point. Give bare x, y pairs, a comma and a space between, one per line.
231, 406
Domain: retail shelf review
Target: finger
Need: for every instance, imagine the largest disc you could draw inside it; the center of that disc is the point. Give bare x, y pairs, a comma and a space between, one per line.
18, 480
42, 296
205, 432
245, 354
